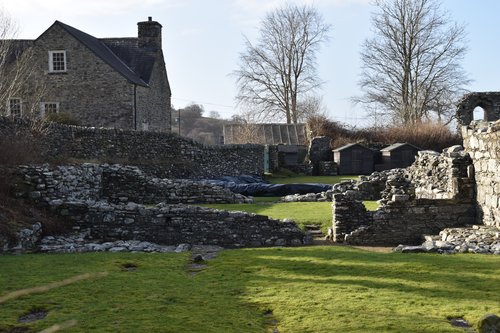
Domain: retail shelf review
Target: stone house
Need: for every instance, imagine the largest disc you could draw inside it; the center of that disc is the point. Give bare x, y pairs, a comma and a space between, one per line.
99, 82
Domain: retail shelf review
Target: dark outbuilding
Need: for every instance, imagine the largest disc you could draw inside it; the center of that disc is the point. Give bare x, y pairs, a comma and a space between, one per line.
354, 159
398, 155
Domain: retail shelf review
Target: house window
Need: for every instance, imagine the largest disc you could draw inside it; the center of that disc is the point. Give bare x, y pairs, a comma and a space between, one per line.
57, 61
14, 107
48, 108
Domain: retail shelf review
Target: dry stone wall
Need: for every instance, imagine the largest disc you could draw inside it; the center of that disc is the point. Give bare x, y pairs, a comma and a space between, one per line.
482, 142
165, 155
127, 183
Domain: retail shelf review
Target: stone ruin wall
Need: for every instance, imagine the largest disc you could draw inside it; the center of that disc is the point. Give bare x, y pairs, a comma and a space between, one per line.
115, 183
435, 193
176, 224
164, 155
482, 142
449, 175
114, 202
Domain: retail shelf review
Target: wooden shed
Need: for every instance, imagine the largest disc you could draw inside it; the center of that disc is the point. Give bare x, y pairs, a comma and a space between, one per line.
398, 155
354, 159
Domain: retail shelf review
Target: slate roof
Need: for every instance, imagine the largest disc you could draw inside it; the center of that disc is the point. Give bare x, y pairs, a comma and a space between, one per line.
126, 58
399, 145
351, 145
140, 60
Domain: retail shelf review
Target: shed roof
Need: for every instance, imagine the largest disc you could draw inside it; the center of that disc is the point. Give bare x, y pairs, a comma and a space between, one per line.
399, 145
351, 145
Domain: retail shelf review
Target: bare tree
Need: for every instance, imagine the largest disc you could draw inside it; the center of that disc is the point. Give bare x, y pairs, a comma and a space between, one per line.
17, 70
274, 73
411, 67
310, 106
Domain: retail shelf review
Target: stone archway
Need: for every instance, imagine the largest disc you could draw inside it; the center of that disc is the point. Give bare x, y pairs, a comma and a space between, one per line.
488, 101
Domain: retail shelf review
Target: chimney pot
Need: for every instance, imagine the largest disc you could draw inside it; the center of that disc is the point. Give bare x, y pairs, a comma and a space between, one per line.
150, 18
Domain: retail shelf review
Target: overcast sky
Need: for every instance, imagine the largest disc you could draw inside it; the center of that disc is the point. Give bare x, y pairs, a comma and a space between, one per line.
203, 38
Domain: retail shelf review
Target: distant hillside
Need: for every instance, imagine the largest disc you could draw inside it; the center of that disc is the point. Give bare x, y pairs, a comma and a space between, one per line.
206, 130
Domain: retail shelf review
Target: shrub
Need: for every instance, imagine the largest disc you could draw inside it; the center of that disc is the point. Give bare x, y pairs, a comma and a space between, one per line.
426, 135
18, 149
63, 118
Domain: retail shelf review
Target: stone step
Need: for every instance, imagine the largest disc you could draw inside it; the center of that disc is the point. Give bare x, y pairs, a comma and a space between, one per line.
315, 233
312, 227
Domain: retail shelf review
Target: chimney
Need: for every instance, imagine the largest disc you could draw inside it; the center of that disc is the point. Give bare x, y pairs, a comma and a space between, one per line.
149, 33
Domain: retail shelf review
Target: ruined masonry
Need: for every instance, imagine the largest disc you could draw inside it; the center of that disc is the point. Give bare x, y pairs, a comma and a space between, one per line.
482, 141
458, 191
409, 207
110, 203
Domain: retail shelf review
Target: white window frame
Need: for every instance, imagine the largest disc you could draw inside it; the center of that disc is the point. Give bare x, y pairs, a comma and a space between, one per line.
51, 61
43, 112
9, 111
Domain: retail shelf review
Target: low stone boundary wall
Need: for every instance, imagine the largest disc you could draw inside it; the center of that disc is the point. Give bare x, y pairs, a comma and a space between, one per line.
175, 224
165, 155
476, 239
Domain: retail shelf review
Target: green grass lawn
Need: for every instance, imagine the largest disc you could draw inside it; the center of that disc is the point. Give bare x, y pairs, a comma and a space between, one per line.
319, 213
303, 213
297, 179
307, 289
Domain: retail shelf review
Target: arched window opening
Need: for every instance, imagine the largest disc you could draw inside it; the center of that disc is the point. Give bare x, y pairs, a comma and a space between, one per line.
479, 113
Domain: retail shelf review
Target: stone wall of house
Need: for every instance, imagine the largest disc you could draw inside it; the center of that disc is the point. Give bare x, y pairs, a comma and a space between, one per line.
482, 142
49, 186
165, 155
153, 102
90, 90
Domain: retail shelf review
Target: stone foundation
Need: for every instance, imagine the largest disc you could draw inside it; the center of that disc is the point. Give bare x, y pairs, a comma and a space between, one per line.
107, 202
